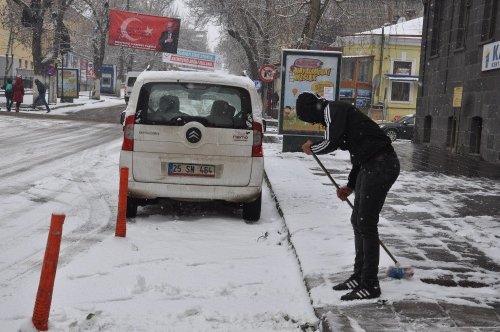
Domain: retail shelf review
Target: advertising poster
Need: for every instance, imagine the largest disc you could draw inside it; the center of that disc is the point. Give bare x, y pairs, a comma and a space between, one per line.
68, 83
195, 59
143, 32
315, 71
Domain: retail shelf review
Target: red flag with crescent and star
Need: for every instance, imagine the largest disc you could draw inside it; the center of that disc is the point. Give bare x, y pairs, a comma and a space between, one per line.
143, 32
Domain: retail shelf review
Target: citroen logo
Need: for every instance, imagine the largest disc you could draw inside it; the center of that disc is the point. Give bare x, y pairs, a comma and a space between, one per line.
193, 135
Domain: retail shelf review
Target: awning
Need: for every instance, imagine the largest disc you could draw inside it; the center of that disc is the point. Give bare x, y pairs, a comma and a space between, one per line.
401, 77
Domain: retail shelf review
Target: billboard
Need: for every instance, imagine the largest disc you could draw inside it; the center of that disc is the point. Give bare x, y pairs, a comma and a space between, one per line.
68, 83
316, 71
194, 59
143, 32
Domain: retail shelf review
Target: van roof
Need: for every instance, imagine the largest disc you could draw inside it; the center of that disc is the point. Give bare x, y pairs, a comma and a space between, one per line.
196, 77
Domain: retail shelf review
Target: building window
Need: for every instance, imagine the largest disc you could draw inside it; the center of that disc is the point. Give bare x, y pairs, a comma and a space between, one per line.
489, 19
364, 70
402, 67
475, 134
436, 26
427, 128
347, 69
20, 63
463, 22
400, 91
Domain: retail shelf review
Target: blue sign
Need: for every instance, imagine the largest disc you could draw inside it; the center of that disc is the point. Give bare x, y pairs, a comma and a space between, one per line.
258, 84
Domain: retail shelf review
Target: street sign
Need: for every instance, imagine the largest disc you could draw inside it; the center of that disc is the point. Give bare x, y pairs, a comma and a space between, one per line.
51, 70
266, 73
258, 84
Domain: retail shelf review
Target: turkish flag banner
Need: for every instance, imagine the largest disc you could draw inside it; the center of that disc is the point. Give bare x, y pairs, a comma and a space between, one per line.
143, 32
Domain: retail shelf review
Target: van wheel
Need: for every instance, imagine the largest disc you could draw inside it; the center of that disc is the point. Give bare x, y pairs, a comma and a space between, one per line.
131, 207
251, 210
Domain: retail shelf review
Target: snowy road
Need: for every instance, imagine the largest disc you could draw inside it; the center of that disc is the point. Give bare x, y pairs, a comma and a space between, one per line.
194, 268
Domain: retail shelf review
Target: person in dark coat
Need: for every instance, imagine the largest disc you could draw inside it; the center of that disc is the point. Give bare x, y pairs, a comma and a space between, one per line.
41, 95
375, 169
18, 92
9, 92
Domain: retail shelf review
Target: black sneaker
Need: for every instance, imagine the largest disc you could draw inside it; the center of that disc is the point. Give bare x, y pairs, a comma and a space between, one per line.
362, 293
351, 283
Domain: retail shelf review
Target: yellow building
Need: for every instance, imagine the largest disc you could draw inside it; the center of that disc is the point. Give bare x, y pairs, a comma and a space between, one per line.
15, 58
386, 89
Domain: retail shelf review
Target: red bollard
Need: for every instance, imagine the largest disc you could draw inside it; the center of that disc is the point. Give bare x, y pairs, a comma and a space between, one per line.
43, 300
121, 217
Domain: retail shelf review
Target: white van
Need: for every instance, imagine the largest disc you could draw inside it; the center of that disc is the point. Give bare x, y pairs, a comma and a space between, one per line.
129, 83
194, 136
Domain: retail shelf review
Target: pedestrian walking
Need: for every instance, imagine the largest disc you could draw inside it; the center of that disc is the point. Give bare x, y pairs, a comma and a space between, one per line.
9, 91
41, 95
18, 92
375, 168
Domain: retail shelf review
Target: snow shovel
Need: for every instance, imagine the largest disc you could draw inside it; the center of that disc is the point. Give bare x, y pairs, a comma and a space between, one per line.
396, 272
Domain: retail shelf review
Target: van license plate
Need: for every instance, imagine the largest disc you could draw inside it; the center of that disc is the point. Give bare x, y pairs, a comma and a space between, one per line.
180, 169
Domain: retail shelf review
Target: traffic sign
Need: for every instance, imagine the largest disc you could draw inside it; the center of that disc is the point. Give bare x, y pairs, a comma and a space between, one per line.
266, 73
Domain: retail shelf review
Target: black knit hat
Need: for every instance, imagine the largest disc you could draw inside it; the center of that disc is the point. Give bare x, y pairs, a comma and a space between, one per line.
309, 107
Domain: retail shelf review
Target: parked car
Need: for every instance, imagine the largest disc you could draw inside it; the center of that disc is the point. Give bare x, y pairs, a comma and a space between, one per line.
400, 129
129, 83
194, 136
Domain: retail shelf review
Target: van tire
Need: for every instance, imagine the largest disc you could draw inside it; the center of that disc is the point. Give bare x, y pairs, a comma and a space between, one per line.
131, 207
251, 210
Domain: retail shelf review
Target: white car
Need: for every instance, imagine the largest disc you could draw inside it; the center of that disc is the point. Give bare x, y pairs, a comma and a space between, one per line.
194, 136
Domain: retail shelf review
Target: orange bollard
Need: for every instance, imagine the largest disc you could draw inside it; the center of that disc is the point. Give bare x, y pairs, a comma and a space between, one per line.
43, 300
121, 217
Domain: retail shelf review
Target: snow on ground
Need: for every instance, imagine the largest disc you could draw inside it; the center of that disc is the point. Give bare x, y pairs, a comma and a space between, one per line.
321, 232
199, 269
191, 269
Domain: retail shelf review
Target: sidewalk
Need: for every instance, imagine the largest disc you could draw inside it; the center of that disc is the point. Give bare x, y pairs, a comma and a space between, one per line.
445, 226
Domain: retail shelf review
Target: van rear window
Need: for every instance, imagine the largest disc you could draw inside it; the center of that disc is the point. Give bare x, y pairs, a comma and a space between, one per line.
212, 105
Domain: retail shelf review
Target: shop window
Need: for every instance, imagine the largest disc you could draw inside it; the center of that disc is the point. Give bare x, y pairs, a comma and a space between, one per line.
427, 128
400, 91
347, 69
475, 134
364, 70
463, 22
489, 19
436, 26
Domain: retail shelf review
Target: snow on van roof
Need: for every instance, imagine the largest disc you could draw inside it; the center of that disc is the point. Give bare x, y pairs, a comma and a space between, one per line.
197, 77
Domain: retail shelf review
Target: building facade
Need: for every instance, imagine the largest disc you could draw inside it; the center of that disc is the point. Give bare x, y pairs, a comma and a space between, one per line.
459, 101
380, 69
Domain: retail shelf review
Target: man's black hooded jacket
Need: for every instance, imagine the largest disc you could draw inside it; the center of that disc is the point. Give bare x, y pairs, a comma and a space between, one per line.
349, 129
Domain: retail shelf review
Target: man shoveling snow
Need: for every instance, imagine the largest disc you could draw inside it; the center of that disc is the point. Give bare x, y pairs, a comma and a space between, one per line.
375, 169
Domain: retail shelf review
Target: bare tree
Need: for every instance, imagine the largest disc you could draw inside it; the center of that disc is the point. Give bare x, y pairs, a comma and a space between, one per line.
100, 17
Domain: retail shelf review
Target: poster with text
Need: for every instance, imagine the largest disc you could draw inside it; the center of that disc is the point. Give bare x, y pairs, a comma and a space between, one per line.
143, 32
68, 83
313, 71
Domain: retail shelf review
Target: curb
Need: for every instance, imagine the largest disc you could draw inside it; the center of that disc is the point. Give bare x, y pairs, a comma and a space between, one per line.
323, 324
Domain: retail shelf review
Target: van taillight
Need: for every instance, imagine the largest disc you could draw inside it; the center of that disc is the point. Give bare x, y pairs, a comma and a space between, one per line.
128, 133
257, 140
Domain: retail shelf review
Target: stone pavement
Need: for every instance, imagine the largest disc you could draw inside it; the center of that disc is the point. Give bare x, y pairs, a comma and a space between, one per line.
441, 258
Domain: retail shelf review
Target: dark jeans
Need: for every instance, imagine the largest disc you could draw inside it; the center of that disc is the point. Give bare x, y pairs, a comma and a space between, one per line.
42, 98
9, 102
374, 180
